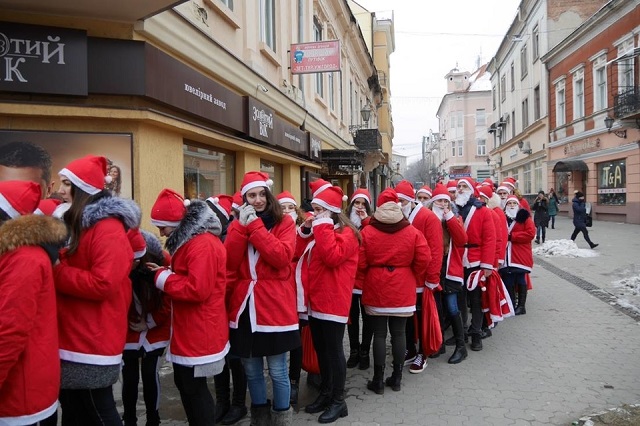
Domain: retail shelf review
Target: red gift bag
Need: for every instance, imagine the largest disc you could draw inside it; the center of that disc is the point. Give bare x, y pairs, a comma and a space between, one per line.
309, 356
431, 333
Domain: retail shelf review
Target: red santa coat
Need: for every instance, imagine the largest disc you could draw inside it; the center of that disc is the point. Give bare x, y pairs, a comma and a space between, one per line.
427, 222
481, 239
393, 266
261, 264
357, 289
94, 293
29, 362
158, 330
327, 265
196, 285
454, 268
500, 223
521, 232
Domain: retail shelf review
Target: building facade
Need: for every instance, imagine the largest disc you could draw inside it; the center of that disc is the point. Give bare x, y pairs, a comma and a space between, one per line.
519, 134
187, 95
594, 113
464, 116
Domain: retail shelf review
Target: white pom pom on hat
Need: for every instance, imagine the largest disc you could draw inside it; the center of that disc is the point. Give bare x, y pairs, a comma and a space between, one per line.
186, 202
345, 198
108, 179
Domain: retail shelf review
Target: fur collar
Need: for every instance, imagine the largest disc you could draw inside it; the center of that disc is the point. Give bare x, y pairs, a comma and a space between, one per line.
120, 208
522, 216
198, 220
31, 230
494, 201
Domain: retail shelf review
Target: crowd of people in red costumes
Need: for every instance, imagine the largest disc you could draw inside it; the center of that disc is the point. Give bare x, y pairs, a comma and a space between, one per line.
88, 297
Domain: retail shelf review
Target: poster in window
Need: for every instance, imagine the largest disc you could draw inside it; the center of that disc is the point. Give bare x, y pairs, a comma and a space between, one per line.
612, 183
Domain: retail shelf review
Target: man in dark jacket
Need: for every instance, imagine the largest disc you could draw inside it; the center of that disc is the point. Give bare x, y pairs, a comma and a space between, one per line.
580, 219
541, 216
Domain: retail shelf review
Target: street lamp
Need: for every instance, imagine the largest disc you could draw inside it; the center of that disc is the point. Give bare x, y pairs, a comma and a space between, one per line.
365, 114
608, 122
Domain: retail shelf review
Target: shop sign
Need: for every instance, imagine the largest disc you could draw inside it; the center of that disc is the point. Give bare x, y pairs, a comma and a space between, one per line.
291, 138
586, 145
314, 57
260, 121
459, 175
315, 148
38, 59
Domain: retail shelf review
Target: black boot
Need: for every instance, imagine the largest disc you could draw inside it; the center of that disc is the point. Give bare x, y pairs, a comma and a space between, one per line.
476, 342
460, 352
238, 407
261, 414
320, 404
364, 359
377, 383
335, 410
354, 358
223, 393
293, 397
395, 379
522, 300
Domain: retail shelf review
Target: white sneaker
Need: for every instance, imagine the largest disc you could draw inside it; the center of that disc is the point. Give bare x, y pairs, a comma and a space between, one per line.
418, 365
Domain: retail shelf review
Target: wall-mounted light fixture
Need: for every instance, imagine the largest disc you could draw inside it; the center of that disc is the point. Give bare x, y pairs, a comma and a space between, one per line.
365, 114
526, 150
496, 163
262, 88
608, 122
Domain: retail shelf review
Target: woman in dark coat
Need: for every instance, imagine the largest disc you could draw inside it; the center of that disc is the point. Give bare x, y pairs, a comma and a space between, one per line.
541, 216
580, 219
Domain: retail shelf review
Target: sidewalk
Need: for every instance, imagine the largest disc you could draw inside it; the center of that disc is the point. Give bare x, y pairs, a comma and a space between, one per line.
572, 355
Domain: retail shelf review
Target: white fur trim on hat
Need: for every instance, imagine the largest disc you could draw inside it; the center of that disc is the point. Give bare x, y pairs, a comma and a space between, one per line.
423, 190
466, 181
215, 202
363, 196
163, 223
288, 200
256, 184
405, 197
139, 254
503, 188
440, 197
326, 205
89, 189
6, 206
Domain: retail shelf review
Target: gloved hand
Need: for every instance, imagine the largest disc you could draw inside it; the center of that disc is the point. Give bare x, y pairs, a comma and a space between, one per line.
323, 214
246, 212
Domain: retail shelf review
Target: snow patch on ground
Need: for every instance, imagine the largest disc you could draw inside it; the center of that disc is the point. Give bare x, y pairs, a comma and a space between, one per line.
629, 284
563, 248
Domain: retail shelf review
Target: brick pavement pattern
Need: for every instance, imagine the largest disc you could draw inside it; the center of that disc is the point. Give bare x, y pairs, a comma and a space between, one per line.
572, 354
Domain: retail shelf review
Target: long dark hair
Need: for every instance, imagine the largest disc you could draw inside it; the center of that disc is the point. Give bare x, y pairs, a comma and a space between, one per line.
273, 208
343, 221
143, 282
73, 217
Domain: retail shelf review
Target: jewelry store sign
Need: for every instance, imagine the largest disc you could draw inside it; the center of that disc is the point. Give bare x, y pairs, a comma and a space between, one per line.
39, 59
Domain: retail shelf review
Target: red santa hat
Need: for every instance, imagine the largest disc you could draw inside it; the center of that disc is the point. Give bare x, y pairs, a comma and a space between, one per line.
237, 200
138, 244
513, 198
389, 195
469, 182
255, 180
87, 173
18, 198
405, 190
331, 199
426, 190
317, 186
487, 182
361, 193
440, 192
452, 185
504, 186
169, 208
510, 181
47, 206
222, 203
286, 197
485, 191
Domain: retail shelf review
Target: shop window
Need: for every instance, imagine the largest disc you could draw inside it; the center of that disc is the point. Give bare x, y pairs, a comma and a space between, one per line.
527, 179
562, 186
612, 183
274, 171
207, 172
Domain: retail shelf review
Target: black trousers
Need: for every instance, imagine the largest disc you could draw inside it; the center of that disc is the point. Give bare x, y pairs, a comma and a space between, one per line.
195, 395
327, 338
475, 302
584, 231
353, 329
136, 362
398, 341
414, 328
86, 407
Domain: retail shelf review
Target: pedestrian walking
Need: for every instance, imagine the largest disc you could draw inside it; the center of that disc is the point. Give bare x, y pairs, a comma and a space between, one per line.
580, 219
93, 292
392, 272
327, 248
196, 284
554, 204
541, 216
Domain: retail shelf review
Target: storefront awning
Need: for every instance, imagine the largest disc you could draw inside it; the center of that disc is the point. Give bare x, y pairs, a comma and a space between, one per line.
570, 166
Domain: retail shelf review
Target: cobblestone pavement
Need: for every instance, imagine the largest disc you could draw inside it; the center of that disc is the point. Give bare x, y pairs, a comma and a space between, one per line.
572, 355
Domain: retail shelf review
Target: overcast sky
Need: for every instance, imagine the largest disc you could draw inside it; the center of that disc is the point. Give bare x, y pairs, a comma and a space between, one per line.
432, 37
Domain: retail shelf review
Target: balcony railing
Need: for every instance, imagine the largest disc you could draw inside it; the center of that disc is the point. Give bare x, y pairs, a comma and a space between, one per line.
626, 102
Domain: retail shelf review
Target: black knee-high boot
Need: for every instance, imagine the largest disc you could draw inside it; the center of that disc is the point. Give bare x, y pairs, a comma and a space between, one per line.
460, 352
522, 299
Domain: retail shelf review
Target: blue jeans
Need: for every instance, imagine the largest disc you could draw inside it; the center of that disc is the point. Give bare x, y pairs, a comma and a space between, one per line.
451, 303
254, 369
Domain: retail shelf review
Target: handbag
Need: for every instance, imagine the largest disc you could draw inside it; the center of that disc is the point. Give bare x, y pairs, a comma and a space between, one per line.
309, 356
589, 221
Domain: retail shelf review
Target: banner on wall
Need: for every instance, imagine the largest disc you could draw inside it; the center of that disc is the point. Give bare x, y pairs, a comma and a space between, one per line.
64, 147
319, 56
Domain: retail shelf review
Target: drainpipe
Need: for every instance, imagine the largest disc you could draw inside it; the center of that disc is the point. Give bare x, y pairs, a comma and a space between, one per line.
301, 40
